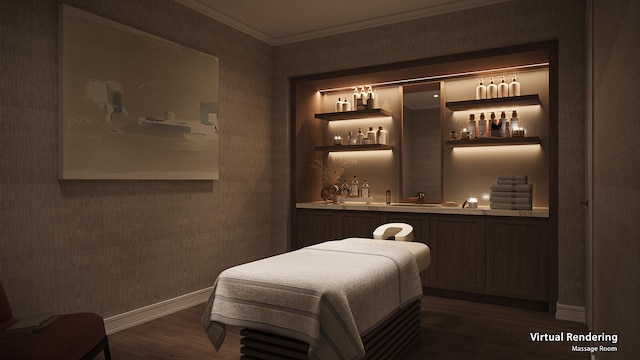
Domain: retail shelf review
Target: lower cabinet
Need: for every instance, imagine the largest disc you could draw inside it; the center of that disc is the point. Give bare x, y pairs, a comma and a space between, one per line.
314, 226
457, 245
357, 223
499, 256
517, 257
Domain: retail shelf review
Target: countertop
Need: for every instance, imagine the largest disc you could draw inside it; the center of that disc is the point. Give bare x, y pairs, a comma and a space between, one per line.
540, 212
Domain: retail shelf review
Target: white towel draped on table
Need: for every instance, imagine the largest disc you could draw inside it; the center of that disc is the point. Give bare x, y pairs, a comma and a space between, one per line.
328, 295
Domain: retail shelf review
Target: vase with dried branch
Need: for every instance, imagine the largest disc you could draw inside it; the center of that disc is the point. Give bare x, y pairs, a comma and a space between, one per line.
331, 170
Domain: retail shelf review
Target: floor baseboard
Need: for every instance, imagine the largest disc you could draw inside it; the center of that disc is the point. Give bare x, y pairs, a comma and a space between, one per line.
570, 313
138, 316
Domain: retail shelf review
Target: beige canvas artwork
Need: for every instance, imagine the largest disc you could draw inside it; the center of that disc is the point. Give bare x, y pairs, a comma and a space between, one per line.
133, 105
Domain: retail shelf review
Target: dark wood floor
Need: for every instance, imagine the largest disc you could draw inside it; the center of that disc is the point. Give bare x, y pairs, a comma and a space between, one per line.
450, 329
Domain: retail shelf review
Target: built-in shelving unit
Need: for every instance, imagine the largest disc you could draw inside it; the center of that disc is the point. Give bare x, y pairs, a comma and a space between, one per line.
494, 141
351, 115
497, 102
354, 147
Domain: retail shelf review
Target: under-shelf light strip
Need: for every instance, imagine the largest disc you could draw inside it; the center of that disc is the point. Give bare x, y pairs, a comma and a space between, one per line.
437, 77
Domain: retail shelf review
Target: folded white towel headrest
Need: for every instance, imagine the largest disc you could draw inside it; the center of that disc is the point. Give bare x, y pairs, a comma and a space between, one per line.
400, 231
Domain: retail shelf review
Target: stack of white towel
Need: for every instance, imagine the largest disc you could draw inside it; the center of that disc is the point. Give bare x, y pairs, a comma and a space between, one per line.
511, 193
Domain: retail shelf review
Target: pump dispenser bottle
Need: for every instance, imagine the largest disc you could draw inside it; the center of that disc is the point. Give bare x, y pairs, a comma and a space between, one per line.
514, 87
492, 90
481, 90
503, 88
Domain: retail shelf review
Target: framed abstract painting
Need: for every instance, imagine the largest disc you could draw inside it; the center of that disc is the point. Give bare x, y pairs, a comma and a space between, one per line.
133, 105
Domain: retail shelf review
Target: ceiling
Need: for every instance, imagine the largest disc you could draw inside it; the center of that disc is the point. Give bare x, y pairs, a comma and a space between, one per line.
279, 22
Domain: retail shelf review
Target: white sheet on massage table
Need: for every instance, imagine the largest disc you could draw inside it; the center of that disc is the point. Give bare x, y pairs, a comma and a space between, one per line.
327, 295
420, 251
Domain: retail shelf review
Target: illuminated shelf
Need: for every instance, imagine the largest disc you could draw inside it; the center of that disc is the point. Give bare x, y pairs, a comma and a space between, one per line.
497, 102
489, 141
354, 147
350, 115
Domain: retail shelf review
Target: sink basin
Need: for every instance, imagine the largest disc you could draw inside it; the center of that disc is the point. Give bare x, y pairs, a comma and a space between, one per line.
415, 204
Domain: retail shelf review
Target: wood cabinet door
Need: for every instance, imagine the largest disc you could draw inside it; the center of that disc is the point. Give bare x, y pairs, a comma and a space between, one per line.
457, 245
357, 223
314, 226
517, 257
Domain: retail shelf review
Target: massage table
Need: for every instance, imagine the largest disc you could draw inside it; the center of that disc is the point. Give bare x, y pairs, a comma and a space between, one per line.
345, 299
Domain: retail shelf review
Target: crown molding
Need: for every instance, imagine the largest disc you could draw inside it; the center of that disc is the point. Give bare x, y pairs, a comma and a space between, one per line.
453, 6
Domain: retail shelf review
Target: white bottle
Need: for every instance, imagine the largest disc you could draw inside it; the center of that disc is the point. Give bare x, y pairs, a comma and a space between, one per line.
514, 88
346, 106
371, 135
382, 136
503, 89
355, 96
355, 189
472, 126
371, 99
482, 126
361, 103
365, 189
492, 90
359, 137
339, 105
504, 129
515, 121
481, 91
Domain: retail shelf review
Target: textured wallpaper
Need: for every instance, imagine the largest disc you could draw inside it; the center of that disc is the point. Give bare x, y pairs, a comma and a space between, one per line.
115, 246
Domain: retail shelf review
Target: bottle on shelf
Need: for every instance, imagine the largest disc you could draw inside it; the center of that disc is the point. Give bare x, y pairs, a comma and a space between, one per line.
503, 88
357, 99
371, 135
371, 99
362, 103
492, 90
344, 189
505, 124
355, 188
481, 90
359, 137
482, 126
350, 139
514, 87
472, 126
495, 125
339, 105
382, 136
346, 106
365, 189
515, 121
